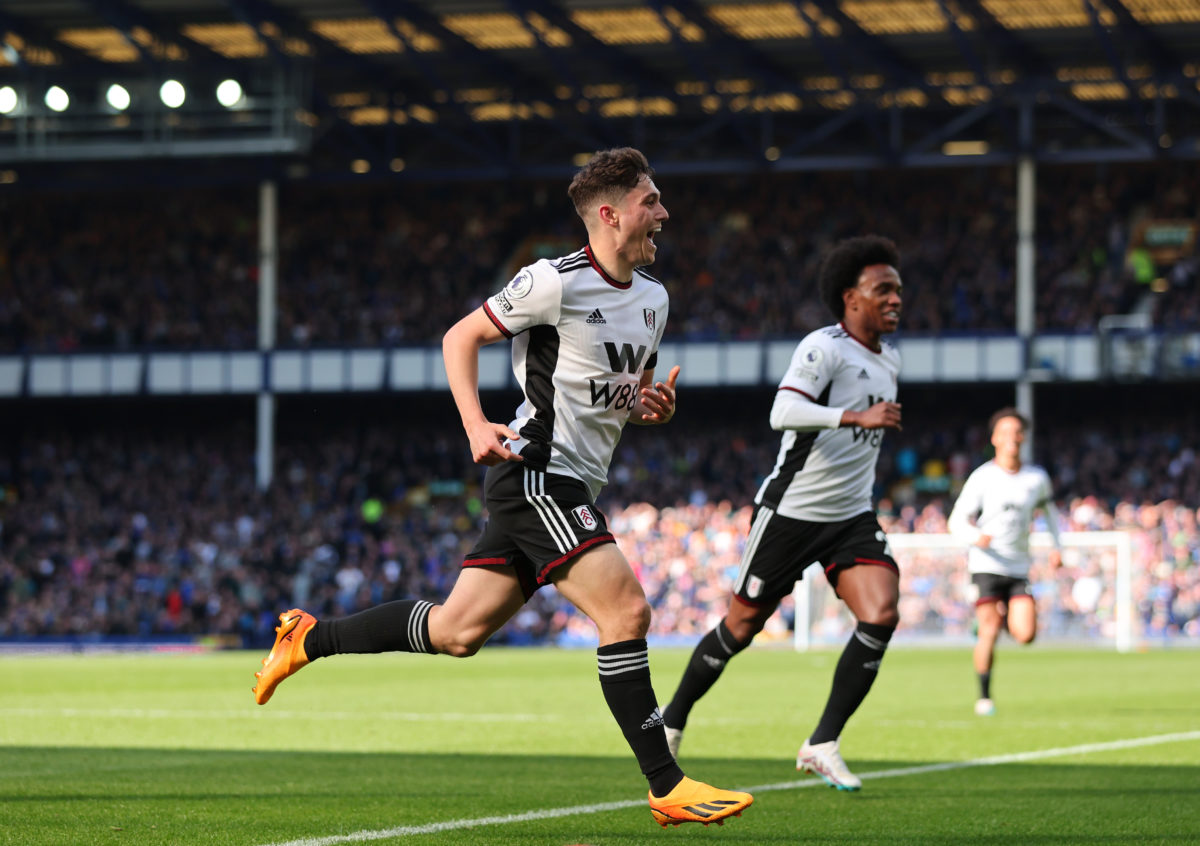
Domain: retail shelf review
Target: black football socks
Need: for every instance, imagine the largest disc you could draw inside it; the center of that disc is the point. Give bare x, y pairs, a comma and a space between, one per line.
625, 679
855, 673
401, 626
706, 665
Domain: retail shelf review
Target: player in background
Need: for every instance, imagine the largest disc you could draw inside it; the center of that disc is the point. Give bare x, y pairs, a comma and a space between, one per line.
585, 332
838, 397
993, 515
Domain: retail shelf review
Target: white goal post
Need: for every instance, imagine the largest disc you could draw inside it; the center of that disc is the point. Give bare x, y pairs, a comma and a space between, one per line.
1089, 601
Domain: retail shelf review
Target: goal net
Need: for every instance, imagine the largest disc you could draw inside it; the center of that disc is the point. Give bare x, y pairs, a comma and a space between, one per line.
1088, 601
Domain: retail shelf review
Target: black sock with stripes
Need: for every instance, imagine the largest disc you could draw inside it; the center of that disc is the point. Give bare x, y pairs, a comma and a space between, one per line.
855, 673
401, 626
708, 662
625, 679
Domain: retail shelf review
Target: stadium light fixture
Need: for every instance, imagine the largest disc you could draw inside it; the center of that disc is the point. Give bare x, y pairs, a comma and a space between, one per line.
172, 93
117, 96
57, 99
8, 100
230, 94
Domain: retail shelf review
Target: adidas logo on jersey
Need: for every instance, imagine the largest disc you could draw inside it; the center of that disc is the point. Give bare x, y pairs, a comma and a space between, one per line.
863, 374
596, 317
655, 719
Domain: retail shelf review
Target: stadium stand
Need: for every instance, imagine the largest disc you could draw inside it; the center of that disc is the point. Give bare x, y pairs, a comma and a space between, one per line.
368, 266
142, 518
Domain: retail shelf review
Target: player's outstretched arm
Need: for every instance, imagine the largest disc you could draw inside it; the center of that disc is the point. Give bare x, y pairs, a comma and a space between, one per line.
460, 350
656, 400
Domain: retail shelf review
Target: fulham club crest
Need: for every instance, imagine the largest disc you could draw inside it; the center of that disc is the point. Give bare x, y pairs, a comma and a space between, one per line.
584, 517
648, 314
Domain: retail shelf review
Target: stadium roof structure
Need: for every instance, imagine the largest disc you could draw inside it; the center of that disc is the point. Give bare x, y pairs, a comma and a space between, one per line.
502, 88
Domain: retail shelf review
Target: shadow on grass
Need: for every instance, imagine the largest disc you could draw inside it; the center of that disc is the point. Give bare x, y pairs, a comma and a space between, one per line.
185, 797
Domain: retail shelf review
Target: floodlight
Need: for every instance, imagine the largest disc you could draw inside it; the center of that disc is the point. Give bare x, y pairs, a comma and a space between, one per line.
172, 93
229, 93
117, 97
8, 100
57, 99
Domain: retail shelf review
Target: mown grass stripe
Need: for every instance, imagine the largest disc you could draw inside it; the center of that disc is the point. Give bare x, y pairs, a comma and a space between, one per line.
577, 810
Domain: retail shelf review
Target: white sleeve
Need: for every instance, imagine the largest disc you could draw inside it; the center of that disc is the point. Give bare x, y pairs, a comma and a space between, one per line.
532, 298
812, 367
966, 508
794, 410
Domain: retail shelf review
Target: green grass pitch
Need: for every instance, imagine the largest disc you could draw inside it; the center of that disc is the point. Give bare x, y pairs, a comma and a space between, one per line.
517, 747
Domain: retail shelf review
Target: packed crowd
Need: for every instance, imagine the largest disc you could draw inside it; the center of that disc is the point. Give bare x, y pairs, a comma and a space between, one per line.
150, 523
396, 264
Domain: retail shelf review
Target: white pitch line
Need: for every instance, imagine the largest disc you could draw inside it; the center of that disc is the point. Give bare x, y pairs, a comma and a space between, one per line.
267, 713
551, 813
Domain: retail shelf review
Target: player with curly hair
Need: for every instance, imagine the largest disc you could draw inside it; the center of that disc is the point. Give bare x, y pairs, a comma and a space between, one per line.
833, 405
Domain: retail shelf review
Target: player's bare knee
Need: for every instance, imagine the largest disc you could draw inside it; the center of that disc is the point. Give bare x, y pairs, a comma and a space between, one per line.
989, 629
464, 644
888, 615
744, 630
637, 615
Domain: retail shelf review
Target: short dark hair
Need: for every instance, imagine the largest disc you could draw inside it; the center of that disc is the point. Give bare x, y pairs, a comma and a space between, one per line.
607, 177
842, 266
1007, 411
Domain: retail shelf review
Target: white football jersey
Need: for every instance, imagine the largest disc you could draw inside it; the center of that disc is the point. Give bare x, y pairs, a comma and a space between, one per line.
829, 474
581, 341
1002, 505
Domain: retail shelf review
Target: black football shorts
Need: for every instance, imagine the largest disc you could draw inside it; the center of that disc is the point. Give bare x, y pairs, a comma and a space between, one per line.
779, 549
996, 588
536, 522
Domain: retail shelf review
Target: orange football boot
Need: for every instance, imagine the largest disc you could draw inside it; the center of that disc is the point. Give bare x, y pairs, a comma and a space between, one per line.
695, 801
286, 656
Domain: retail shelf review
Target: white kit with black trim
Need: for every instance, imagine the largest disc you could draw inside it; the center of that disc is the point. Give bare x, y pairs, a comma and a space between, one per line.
828, 474
581, 341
